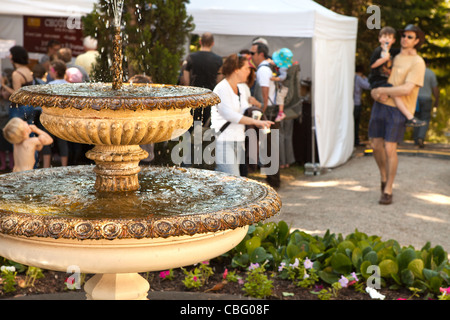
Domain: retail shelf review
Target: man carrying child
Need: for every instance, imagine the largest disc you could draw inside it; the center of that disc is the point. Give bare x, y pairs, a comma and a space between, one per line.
387, 123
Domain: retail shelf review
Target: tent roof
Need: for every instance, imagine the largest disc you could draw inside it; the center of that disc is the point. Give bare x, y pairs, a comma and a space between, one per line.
293, 18
46, 8
286, 18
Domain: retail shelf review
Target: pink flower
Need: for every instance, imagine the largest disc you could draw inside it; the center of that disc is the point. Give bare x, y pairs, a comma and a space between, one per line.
225, 273
195, 278
343, 281
164, 274
253, 266
318, 288
402, 299
445, 290
351, 283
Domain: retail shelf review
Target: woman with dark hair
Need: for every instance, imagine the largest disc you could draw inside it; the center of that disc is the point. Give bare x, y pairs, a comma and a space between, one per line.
57, 71
21, 77
227, 118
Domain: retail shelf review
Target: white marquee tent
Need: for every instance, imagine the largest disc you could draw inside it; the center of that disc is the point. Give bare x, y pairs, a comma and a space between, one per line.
322, 41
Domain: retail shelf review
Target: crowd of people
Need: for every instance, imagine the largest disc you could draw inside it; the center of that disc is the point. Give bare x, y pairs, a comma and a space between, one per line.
251, 80
255, 89
55, 67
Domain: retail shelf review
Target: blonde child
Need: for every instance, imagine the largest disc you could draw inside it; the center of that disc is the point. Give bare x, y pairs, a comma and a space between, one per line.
17, 132
381, 66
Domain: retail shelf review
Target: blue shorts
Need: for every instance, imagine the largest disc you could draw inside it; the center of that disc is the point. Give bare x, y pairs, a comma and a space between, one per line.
386, 122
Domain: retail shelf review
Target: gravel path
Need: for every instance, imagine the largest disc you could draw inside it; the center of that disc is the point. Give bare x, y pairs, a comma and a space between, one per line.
346, 198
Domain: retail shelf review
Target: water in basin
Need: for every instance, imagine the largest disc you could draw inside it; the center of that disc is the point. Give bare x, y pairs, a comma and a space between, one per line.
164, 192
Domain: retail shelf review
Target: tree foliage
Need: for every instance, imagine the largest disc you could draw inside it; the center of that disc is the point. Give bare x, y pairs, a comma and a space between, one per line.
432, 16
153, 38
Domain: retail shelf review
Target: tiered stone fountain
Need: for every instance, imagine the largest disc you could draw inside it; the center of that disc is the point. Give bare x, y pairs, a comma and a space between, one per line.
130, 219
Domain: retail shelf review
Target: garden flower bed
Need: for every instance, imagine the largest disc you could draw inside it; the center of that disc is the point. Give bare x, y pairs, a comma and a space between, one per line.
273, 262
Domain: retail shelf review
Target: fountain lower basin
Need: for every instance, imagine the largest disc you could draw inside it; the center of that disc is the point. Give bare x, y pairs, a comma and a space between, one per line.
177, 218
116, 263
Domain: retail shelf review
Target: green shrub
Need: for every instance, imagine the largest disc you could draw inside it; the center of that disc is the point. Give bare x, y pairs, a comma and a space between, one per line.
333, 255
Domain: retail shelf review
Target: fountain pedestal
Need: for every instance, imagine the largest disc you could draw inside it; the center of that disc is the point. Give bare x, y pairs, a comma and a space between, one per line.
117, 167
117, 286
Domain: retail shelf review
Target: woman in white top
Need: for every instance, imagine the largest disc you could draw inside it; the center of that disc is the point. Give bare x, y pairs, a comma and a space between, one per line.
230, 140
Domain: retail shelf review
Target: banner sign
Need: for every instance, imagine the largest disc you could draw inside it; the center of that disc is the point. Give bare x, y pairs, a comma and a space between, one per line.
38, 31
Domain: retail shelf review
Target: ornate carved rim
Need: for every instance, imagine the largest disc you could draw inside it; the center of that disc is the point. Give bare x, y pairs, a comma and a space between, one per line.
51, 96
35, 225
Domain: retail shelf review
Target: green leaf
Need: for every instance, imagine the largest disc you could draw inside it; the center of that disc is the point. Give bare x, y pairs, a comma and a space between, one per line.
396, 278
405, 257
328, 277
372, 257
428, 274
283, 232
252, 244
416, 266
363, 269
260, 233
426, 247
288, 294
407, 277
388, 267
251, 229
240, 261
314, 249
347, 244
292, 251
341, 263
357, 257
269, 228
258, 255
439, 255
435, 284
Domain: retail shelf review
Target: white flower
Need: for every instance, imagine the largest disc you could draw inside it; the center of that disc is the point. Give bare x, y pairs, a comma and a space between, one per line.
308, 264
8, 269
374, 294
295, 264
